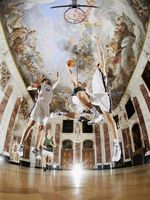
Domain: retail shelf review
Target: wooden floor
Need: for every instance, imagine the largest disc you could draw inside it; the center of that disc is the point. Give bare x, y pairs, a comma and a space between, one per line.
19, 183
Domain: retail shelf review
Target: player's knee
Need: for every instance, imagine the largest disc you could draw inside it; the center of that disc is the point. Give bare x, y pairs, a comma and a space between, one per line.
31, 123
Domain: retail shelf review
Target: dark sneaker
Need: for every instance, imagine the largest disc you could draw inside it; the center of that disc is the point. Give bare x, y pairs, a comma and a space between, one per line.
82, 119
35, 151
49, 167
20, 150
44, 169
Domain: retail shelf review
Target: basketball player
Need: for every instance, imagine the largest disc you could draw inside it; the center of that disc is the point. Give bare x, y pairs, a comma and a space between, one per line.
48, 145
101, 98
40, 112
80, 92
75, 110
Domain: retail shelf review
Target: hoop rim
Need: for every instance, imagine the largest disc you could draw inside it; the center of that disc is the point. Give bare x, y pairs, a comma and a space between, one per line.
71, 22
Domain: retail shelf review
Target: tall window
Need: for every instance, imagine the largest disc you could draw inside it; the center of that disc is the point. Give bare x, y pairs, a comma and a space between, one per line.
129, 108
116, 118
146, 75
136, 136
87, 128
67, 126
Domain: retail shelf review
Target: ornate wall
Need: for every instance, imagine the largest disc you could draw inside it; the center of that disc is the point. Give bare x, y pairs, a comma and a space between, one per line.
139, 93
12, 94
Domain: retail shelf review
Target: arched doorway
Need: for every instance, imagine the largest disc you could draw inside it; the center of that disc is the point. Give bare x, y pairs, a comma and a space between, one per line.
67, 154
136, 136
88, 154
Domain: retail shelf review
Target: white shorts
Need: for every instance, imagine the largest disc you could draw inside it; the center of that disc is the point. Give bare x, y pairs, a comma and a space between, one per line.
99, 96
47, 153
40, 112
103, 101
98, 82
75, 104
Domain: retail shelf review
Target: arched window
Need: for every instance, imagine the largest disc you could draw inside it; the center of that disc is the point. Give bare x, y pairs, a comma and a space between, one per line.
67, 144
88, 144
136, 136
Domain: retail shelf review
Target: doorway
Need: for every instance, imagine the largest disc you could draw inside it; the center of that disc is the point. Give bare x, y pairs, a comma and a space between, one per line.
67, 154
88, 154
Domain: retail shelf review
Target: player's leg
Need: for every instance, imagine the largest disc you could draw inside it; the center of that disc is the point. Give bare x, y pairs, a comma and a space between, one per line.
38, 139
44, 160
25, 136
116, 146
50, 160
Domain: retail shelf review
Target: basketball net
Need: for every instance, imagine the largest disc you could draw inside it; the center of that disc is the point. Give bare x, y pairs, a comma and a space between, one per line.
74, 15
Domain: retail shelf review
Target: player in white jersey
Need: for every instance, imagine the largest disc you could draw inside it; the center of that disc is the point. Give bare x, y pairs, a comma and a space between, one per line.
40, 111
101, 98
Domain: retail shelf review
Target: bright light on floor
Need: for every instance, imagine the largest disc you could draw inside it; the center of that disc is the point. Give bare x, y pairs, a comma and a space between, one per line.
54, 166
77, 168
77, 172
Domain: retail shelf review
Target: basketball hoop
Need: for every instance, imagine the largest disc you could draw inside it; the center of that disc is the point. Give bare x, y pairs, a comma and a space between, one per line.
74, 15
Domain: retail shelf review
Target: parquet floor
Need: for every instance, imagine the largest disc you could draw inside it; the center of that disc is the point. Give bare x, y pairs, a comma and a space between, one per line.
20, 183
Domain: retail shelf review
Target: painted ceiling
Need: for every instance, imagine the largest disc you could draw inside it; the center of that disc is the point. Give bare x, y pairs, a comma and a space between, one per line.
42, 41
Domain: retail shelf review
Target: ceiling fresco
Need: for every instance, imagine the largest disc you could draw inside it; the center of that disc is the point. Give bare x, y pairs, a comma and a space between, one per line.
42, 41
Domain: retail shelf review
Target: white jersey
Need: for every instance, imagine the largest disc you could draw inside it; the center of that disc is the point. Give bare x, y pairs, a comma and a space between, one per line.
100, 97
98, 82
45, 93
40, 111
75, 104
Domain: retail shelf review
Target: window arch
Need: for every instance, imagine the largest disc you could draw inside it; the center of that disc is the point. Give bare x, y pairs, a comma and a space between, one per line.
88, 144
67, 144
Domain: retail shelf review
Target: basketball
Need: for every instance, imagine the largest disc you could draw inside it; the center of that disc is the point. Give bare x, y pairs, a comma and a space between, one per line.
70, 63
